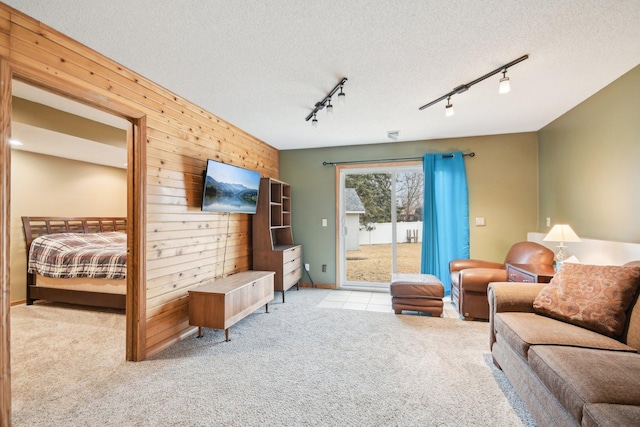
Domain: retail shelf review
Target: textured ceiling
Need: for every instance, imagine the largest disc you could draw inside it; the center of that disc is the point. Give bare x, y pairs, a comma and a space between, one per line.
262, 65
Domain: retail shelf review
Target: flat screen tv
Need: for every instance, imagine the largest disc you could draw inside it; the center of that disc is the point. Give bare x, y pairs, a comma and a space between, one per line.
229, 188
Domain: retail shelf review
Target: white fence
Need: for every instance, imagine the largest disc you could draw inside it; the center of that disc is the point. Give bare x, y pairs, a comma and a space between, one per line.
382, 233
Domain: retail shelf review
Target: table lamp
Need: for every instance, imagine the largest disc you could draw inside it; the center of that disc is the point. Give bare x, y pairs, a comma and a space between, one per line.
561, 233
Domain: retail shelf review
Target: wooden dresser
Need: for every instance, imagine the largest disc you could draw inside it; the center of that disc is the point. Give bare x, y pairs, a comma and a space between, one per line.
273, 246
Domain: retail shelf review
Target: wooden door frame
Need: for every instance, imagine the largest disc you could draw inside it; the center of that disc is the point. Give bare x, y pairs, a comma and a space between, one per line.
136, 212
5, 244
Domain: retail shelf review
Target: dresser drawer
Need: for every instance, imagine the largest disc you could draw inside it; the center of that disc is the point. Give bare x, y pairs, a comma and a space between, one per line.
530, 273
292, 265
519, 276
291, 278
291, 254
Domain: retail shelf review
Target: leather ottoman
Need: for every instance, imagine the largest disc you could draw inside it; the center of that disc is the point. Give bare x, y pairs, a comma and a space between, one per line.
416, 292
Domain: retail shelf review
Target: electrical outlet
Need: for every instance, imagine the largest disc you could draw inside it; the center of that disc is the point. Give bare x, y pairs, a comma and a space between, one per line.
324, 222
324, 268
306, 267
548, 222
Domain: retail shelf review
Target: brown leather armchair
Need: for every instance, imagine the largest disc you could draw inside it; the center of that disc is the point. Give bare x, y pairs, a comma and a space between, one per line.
470, 277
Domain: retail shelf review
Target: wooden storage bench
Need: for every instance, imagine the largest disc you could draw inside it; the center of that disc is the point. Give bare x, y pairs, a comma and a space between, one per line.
221, 303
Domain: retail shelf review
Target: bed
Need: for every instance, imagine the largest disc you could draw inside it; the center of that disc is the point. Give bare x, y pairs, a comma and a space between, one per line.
90, 278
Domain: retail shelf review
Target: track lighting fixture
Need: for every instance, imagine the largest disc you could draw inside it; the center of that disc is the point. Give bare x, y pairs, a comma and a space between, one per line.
326, 103
448, 110
503, 88
341, 96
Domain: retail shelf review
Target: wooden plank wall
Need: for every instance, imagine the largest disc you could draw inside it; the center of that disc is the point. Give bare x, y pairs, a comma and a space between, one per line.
184, 246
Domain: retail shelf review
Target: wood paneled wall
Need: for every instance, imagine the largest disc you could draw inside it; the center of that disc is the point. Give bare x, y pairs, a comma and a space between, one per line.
181, 246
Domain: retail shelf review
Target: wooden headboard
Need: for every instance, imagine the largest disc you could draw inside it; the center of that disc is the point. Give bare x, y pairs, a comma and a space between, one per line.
36, 226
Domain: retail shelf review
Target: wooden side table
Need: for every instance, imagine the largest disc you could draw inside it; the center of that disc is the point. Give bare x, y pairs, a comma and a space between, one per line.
530, 273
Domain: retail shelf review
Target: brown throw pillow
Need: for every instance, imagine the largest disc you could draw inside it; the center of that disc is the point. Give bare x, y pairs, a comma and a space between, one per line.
595, 297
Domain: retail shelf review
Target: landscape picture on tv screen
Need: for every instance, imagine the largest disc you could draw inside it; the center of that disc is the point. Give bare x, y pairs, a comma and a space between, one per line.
229, 188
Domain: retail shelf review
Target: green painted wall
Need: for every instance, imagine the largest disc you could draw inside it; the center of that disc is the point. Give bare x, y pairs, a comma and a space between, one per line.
502, 179
589, 164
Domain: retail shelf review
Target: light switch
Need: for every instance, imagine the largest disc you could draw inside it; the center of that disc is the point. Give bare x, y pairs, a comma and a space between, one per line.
324, 222
480, 222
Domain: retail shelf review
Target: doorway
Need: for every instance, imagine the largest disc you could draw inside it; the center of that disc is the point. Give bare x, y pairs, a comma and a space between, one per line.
68, 160
380, 223
118, 115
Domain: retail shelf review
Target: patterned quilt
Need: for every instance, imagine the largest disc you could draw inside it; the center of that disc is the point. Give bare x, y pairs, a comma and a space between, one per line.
64, 255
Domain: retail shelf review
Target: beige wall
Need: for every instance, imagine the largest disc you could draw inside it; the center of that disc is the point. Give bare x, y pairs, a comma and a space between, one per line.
38, 115
502, 180
51, 186
589, 164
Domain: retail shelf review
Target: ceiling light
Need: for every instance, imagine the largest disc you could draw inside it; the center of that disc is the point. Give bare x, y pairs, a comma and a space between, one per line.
393, 134
342, 99
329, 108
465, 87
505, 86
326, 102
448, 110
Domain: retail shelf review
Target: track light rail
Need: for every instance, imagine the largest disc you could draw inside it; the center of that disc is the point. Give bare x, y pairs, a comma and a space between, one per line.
465, 87
320, 105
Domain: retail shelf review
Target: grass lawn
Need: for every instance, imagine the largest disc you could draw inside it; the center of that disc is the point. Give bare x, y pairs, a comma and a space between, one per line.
372, 263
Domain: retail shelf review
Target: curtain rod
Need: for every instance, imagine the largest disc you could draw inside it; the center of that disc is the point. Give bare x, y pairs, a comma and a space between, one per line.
472, 154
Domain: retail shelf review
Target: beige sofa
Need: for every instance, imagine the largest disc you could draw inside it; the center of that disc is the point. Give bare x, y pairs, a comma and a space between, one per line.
570, 348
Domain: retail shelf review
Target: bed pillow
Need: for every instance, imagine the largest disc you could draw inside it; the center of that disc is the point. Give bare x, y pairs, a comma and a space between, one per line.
595, 297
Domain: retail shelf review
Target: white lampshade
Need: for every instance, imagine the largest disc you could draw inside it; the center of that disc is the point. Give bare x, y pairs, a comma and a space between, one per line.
505, 86
448, 109
561, 233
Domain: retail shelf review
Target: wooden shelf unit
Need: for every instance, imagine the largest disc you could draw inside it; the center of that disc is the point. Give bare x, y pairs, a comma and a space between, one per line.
273, 246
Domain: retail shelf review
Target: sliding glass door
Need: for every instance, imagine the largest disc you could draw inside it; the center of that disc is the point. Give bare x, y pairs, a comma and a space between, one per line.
380, 224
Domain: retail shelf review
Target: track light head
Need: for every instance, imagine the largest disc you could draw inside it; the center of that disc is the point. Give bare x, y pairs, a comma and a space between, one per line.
314, 121
448, 110
329, 107
341, 97
505, 86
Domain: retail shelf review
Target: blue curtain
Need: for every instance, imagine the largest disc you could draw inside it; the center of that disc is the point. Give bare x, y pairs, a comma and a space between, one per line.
445, 227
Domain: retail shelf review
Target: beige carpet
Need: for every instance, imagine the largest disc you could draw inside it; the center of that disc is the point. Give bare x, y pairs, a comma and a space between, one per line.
299, 365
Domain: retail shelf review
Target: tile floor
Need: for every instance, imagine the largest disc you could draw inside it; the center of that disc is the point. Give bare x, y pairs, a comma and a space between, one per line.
372, 301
